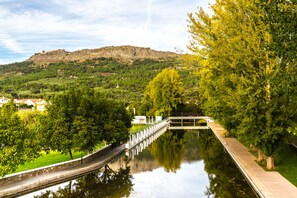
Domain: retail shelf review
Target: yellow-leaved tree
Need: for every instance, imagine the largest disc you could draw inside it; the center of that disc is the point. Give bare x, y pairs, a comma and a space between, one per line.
244, 82
163, 94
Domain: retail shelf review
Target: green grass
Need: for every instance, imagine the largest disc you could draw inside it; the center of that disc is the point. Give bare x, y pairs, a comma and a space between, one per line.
138, 127
52, 158
48, 159
286, 160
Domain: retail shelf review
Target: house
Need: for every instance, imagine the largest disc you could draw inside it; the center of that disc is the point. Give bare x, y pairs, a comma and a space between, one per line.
38, 104
139, 120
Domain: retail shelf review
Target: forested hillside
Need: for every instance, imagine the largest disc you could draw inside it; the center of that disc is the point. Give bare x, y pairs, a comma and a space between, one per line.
124, 81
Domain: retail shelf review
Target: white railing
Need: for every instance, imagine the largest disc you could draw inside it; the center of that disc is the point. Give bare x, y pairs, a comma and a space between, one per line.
188, 122
144, 134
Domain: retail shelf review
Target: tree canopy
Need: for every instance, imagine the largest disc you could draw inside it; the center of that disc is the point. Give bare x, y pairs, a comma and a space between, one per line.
246, 81
81, 118
17, 142
163, 93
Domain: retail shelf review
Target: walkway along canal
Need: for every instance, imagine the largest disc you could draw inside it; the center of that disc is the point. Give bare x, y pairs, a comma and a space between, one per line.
20, 183
178, 164
266, 184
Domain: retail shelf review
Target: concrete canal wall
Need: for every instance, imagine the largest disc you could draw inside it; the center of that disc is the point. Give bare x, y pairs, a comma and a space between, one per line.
12, 178
268, 184
28, 181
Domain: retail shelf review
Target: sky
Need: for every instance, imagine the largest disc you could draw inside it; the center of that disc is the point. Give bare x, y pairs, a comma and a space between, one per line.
31, 26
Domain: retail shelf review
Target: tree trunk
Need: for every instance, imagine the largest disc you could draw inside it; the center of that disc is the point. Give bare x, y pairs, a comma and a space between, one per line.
261, 155
70, 153
270, 163
253, 148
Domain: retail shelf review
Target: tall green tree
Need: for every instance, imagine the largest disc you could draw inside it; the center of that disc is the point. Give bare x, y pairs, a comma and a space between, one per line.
79, 119
16, 141
244, 83
163, 93
282, 17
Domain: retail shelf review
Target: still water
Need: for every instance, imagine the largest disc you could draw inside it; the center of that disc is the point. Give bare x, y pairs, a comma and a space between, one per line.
178, 164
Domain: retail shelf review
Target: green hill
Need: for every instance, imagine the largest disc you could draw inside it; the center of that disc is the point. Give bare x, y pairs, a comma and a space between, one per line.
123, 80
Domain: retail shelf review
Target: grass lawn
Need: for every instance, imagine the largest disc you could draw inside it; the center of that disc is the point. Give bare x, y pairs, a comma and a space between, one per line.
52, 158
138, 127
47, 159
287, 163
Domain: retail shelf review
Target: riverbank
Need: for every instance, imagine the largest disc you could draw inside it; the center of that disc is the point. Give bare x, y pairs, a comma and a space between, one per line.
266, 183
28, 181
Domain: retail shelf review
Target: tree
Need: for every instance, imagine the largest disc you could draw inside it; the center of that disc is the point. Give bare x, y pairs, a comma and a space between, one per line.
80, 119
244, 84
281, 15
117, 125
163, 93
16, 141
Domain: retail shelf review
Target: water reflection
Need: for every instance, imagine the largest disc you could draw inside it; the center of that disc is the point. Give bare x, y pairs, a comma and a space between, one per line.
107, 183
224, 177
177, 164
168, 150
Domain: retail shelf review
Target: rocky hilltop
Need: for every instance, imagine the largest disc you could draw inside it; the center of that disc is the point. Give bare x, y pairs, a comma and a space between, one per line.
126, 54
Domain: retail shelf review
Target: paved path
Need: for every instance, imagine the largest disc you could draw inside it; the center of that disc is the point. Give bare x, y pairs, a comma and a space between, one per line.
48, 179
268, 184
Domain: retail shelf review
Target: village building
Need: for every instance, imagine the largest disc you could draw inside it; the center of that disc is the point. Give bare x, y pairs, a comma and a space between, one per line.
34, 104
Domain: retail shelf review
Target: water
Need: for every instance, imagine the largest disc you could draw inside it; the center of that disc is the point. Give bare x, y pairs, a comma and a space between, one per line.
178, 164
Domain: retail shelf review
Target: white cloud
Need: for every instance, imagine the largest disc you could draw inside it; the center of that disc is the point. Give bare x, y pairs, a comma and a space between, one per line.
76, 24
10, 43
149, 18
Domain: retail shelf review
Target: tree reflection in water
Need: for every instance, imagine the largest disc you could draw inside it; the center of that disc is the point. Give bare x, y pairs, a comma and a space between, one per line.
107, 183
168, 150
176, 146
225, 179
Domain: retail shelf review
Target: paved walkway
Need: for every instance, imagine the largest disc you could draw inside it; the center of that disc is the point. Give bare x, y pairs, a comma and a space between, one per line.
268, 184
48, 179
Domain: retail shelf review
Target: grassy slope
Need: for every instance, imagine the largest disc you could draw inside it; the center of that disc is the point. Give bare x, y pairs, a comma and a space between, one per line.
287, 163
52, 158
48, 159
117, 80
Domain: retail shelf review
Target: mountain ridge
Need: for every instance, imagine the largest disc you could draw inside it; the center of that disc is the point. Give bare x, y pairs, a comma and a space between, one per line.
125, 54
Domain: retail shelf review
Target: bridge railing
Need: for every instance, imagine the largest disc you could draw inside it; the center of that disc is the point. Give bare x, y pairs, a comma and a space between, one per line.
189, 122
136, 138
160, 127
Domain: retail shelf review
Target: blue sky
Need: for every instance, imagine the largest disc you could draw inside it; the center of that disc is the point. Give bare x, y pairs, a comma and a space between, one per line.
30, 26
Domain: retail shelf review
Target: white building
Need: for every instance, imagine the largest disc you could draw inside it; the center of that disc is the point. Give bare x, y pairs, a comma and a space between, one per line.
139, 120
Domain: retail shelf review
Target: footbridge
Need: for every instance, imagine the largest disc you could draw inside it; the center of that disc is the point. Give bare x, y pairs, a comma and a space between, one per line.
189, 122
138, 141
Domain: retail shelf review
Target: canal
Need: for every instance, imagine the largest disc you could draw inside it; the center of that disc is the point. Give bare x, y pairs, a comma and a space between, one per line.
177, 164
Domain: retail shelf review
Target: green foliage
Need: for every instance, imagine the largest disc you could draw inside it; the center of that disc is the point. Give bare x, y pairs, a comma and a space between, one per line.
115, 79
246, 82
163, 93
80, 119
17, 142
